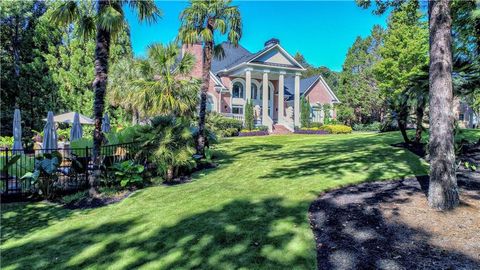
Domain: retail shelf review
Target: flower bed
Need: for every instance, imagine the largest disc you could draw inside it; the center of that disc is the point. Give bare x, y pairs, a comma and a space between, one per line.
253, 133
311, 131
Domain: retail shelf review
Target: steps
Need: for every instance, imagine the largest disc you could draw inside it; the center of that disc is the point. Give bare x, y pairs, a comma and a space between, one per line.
279, 129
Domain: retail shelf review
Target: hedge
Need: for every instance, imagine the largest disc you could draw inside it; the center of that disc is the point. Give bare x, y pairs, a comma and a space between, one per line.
337, 129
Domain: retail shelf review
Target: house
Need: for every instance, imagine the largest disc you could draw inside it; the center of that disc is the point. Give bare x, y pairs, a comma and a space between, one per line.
241, 75
464, 114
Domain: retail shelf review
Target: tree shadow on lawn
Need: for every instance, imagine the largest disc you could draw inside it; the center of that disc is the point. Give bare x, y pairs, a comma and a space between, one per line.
352, 232
20, 219
370, 156
267, 234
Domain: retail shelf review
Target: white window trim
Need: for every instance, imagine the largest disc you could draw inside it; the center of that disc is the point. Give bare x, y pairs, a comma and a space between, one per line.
241, 81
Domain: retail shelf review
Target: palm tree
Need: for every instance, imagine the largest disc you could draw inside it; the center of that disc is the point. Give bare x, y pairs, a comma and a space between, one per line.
120, 89
200, 21
105, 19
164, 87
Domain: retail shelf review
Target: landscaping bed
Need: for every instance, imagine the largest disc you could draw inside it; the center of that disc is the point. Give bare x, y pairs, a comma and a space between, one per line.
253, 133
388, 225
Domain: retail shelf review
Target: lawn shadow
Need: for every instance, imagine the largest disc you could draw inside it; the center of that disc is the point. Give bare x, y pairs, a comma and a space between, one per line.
19, 219
346, 155
352, 232
241, 234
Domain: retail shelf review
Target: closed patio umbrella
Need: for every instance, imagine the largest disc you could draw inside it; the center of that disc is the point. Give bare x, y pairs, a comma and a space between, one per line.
17, 132
76, 131
49, 135
106, 124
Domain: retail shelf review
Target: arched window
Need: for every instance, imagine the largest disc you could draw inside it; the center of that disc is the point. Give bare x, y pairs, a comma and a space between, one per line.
237, 90
255, 94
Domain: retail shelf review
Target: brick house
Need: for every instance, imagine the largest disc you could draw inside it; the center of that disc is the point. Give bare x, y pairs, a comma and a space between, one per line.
241, 75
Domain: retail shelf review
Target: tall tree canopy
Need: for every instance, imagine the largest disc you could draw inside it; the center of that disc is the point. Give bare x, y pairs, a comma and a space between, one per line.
26, 81
358, 87
403, 56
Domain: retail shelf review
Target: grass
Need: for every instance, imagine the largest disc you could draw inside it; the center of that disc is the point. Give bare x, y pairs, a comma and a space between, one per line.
249, 213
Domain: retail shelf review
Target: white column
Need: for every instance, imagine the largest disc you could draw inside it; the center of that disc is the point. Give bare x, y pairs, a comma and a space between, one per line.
265, 97
297, 99
281, 99
248, 90
248, 84
220, 101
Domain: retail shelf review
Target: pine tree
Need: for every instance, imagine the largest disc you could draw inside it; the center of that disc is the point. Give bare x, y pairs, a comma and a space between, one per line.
249, 117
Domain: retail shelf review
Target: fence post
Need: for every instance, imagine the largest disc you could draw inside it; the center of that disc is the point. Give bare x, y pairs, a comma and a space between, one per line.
6, 171
87, 158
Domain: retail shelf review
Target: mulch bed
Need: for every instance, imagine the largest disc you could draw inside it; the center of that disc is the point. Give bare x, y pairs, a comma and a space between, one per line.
388, 225
102, 200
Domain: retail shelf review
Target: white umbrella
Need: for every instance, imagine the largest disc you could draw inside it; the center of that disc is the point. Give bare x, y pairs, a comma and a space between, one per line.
17, 132
49, 135
69, 118
76, 132
106, 124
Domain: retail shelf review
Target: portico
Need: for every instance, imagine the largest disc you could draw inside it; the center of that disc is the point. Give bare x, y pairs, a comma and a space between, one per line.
265, 87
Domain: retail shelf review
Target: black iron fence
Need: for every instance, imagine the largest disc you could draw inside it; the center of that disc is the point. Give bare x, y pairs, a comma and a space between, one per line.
75, 166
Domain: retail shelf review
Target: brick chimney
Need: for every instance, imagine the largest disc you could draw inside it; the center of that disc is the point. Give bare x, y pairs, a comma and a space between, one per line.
197, 51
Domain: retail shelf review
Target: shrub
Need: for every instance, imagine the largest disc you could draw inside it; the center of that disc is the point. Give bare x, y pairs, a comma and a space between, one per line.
223, 126
78, 146
44, 177
316, 125
128, 173
261, 128
375, 126
172, 141
337, 129
6, 141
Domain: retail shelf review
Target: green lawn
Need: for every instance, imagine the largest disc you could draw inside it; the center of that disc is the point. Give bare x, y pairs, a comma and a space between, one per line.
249, 213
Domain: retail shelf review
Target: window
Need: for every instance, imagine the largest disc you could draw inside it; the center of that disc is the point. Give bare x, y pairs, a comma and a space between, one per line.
269, 94
237, 90
254, 91
461, 117
237, 110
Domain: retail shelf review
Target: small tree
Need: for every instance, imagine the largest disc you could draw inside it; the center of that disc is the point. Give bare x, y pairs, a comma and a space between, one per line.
305, 111
249, 117
327, 116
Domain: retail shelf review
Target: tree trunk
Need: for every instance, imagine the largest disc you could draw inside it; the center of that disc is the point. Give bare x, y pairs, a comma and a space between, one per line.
402, 121
102, 51
207, 63
443, 190
419, 111
169, 175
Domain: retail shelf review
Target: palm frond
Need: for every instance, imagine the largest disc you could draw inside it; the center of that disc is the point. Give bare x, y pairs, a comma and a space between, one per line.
147, 10
65, 13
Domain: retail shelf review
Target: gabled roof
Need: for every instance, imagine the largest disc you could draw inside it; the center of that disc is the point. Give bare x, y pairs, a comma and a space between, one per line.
235, 56
305, 85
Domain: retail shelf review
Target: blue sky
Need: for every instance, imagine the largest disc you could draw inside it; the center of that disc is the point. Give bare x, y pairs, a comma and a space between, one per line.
321, 30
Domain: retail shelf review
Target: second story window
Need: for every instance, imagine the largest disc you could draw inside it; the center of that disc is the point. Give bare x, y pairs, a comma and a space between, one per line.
237, 90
